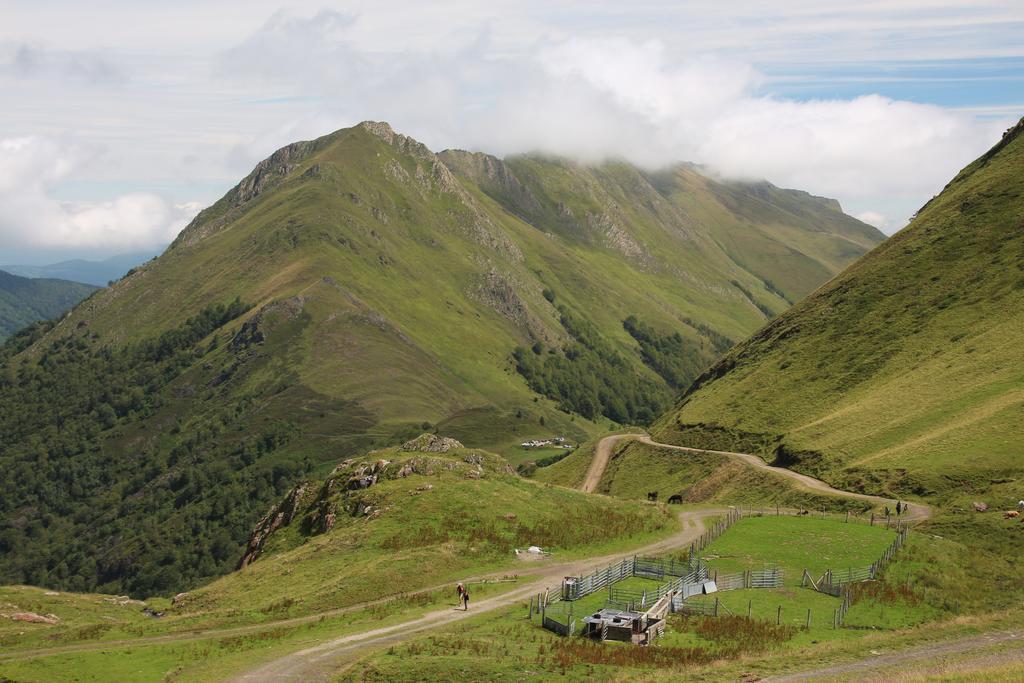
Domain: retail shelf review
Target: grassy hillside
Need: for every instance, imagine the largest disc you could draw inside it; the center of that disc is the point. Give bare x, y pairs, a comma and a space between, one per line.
353, 291
905, 373
24, 301
430, 517
338, 560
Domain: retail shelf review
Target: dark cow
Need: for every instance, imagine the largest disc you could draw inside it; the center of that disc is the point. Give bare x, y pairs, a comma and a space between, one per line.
652, 495
676, 499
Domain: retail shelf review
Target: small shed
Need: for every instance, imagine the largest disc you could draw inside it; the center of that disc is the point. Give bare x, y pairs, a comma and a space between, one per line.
614, 624
639, 628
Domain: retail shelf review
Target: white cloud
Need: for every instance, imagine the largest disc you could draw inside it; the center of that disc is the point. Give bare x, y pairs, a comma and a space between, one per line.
31, 61
227, 83
595, 98
879, 220
31, 217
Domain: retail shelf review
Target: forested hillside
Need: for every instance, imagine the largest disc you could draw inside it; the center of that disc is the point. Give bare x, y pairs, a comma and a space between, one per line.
24, 301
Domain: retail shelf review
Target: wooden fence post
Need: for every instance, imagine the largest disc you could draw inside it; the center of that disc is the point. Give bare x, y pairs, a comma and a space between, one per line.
778, 616
808, 618
749, 603
716, 605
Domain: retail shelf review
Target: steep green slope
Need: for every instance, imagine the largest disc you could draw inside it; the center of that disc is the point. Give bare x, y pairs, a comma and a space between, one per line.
381, 539
426, 516
350, 292
24, 301
904, 373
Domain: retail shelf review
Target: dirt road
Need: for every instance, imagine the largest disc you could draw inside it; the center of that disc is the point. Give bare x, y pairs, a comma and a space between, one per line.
922, 657
602, 453
918, 511
318, 662
322, 661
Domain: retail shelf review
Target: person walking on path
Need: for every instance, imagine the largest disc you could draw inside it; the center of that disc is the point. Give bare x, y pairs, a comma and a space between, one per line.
899, 507
461, 591
465, 599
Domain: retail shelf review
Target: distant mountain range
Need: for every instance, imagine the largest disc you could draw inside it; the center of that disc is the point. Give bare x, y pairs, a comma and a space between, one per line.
356, 290
99, 273
24, 300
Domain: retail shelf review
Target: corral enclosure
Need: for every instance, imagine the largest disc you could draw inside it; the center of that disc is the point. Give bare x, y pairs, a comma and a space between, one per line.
796, 543
789, 570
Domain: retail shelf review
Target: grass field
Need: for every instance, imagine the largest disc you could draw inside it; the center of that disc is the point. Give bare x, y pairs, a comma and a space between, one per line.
504, 646
796, 543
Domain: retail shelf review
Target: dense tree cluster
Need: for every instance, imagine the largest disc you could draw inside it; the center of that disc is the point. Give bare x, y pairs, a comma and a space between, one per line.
589, 377
767, 312
104, 486
666, 353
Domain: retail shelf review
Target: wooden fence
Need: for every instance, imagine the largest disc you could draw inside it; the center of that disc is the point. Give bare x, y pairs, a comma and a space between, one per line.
837, 583
763, 578
575, 588
690, 584
715, 531
566, 629
891, 521
832, 579
688, 578
658, 568
701, 608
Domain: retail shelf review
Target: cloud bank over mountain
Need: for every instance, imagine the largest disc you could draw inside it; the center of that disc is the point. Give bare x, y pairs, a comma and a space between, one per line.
124, 142
31, 217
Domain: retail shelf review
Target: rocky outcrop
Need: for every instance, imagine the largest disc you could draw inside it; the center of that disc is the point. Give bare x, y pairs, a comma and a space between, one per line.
264, 176
494, 177
431, 443
430, 174
354, 490
497, 292
255, 330
617, 238
281, 515
366, 476
271, 170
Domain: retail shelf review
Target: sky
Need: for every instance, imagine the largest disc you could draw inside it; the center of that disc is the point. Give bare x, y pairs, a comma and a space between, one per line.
120, 120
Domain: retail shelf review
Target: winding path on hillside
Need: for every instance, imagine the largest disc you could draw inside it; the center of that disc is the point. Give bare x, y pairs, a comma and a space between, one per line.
602, 454
320, 662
